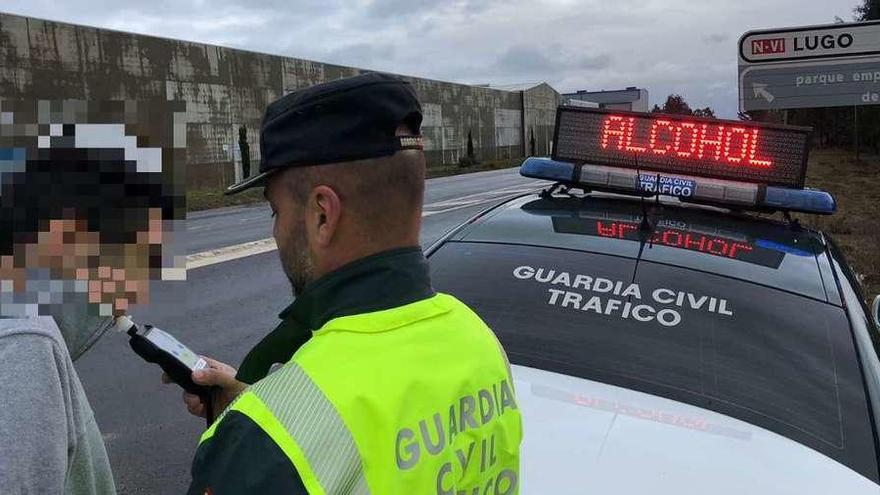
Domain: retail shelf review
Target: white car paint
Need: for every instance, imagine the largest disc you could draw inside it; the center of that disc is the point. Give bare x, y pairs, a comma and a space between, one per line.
586, 437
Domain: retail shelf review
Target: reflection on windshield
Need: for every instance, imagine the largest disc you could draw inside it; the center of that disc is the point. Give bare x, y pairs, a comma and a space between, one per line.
610, 220
675, 235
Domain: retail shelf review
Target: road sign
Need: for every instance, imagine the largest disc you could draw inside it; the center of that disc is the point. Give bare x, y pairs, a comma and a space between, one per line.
810, 67
834, 40
810, 85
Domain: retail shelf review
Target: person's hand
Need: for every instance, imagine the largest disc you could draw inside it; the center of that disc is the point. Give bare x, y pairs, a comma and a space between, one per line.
216, 374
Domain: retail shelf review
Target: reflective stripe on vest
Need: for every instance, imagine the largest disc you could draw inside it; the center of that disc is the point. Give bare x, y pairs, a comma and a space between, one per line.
253, 407
297, 416
315, 426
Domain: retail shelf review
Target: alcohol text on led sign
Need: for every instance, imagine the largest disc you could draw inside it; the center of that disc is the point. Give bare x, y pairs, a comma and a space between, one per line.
723, 143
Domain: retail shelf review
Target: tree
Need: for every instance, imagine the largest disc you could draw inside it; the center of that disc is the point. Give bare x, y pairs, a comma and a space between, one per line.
532, 143
868, 116
704, 112
869, 10
468, 159
245, 150
675, 104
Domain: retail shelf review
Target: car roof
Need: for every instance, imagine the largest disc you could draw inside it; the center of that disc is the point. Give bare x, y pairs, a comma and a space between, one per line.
742, 246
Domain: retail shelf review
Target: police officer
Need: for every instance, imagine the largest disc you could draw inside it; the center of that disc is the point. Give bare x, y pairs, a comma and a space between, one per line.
387, 387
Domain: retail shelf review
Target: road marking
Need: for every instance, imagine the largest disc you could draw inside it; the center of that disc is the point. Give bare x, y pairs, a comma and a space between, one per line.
480, 198
457, 205
229, 253
494, 192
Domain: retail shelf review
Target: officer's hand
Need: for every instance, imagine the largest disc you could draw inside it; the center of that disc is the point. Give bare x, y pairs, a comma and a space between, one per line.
217, 374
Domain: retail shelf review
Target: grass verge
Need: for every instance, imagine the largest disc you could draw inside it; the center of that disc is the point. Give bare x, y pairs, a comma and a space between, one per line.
205, 199
447, 170
855, 227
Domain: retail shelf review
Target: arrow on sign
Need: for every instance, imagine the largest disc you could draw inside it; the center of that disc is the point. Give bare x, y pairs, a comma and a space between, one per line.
761, 91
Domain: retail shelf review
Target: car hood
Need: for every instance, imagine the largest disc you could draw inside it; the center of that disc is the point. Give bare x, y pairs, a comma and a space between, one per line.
582, 436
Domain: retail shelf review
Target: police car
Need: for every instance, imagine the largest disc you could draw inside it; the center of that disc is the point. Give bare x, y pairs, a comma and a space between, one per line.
698, 340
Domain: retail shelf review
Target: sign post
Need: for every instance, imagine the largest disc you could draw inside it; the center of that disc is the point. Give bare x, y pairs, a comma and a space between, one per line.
809, 67
856, 129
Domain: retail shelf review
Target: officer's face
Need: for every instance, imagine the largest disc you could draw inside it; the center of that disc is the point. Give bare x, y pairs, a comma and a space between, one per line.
290, 232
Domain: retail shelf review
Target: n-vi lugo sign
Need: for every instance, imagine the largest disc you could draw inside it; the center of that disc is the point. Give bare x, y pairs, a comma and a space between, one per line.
834, 40
810, 67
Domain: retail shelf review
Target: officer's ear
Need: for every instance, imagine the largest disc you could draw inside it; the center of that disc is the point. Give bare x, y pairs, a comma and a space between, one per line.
322, 215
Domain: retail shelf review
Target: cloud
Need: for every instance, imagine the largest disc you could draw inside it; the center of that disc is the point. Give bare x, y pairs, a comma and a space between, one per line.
714, 38
530, 61
593, 62
386, 9
525, 60
667, 46
361, 54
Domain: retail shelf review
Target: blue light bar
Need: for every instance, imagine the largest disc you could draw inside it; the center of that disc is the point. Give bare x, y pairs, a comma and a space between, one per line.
805, 200
545, 168
694, 189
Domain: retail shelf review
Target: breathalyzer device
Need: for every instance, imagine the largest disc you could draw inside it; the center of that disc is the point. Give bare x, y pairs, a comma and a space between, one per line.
176, 360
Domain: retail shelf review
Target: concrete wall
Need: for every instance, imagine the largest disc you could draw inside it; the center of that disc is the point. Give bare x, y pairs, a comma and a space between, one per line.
540, 104
226, 88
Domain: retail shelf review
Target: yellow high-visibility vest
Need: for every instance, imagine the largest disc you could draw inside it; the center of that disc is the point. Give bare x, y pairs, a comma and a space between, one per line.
416, 399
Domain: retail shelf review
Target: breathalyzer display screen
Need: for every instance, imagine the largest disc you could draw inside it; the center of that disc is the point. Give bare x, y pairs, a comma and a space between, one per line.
172, 346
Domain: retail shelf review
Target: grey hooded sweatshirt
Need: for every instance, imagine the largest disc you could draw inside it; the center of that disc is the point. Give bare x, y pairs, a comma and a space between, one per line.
49, 441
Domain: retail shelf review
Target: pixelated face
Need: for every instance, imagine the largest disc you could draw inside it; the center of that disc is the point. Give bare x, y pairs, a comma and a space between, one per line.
116, 274
84, 212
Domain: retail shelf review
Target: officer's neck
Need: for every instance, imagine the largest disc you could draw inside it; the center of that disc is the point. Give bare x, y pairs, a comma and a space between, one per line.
349, 252
379, 281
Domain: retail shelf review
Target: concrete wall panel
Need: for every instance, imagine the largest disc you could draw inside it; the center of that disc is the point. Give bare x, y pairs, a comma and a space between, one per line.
432, 126
226, 88
540, 104
508, 127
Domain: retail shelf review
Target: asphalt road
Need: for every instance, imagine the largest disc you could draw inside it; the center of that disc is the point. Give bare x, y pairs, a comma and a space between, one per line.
221, 311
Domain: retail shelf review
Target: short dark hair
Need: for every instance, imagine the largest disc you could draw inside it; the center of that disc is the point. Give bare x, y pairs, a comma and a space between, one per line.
97, 186
375, 187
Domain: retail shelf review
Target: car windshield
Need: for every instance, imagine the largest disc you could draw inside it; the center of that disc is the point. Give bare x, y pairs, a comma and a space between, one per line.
778, 360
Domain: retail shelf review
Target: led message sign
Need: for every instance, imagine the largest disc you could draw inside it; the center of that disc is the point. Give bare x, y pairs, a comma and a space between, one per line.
722, 149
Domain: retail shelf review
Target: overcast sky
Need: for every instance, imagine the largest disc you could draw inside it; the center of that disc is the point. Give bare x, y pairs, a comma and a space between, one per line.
686, 47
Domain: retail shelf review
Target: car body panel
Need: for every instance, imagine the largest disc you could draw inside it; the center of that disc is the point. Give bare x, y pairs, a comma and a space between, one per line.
829, 280
865, 334
769, 357
583, 436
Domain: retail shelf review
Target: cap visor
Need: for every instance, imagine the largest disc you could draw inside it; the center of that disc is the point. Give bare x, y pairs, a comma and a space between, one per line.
255, 181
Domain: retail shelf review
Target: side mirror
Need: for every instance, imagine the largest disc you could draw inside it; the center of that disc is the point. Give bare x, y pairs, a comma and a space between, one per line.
875, 311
